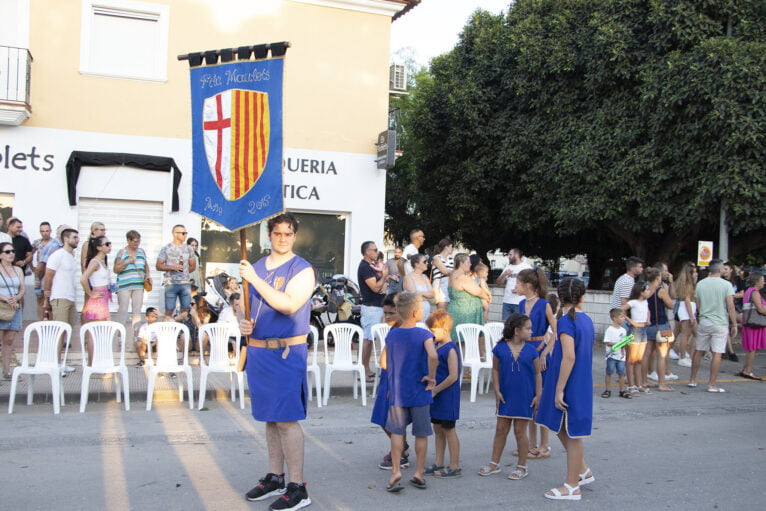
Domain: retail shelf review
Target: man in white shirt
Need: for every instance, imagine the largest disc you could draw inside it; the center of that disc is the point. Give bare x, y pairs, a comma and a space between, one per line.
633, 268
60, 282
511, 300
61, 279
417, 238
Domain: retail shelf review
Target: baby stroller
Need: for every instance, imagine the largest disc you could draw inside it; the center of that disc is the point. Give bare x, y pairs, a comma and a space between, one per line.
216, 296
336, 300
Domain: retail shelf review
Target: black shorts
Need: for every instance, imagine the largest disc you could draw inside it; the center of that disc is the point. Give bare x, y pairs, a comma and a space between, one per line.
444, 424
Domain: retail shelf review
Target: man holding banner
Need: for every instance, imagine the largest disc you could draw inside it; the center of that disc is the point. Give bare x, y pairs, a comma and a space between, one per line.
280, 286
237, 155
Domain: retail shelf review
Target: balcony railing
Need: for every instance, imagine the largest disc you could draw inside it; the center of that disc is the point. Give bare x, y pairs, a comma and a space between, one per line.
15, 76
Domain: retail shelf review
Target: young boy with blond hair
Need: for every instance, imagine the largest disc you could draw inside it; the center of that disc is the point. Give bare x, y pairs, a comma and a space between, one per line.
411, 362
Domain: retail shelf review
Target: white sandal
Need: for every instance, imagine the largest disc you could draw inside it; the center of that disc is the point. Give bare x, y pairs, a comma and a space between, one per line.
486, 470
586, 480
520, 473
557, 495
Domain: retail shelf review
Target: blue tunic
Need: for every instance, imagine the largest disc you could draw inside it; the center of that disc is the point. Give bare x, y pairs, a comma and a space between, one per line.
446, 405
407, 363
517, 380
277, 385
578, 393
380, 408
537, 317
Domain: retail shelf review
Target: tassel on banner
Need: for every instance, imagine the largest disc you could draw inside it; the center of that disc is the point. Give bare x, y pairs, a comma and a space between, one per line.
258, 51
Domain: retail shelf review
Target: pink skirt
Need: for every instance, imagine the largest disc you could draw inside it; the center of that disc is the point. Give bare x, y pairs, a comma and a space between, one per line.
753, 338
97, 309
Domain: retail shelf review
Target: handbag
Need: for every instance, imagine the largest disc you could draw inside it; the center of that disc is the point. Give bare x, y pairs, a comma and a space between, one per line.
751, 317
6, 310
666, 334
147, 285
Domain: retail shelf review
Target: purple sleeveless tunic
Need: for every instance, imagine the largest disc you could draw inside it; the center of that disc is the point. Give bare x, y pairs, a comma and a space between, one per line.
277, 385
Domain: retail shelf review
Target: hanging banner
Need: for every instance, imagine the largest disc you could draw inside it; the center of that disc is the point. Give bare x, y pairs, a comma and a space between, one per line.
237, 141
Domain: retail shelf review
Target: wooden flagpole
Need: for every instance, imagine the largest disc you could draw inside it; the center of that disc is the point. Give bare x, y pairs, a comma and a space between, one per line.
245, 296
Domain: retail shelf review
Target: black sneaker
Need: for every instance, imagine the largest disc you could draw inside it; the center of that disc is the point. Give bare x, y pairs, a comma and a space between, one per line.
385, 464
269, 486
295, 497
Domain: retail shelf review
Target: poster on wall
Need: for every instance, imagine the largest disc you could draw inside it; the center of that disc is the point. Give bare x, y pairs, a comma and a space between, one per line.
704, 253
237, 141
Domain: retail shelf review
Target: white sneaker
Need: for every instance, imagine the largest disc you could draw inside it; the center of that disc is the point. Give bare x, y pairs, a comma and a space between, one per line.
685, 362
673, 355
652, 376
69, 369
671, 376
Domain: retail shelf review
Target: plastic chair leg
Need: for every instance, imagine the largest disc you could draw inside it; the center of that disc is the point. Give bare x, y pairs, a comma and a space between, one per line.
327, 382
241, 381
12, 395
62, 401
190, 385
317, 384
55, 393
231, 386
474, 384
150, 389
363, 386
355, 391
84, 389
126, 387
31, 390
374, 393
202, 389
116, 382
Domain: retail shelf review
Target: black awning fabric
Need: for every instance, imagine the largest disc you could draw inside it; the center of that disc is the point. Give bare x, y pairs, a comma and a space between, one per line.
142, 161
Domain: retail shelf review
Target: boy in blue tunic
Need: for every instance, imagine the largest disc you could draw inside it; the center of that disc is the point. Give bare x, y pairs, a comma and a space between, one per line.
445, 410
411, 362
380, 409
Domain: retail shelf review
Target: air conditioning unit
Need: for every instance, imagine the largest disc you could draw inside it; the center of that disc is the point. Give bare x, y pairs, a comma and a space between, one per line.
397, 78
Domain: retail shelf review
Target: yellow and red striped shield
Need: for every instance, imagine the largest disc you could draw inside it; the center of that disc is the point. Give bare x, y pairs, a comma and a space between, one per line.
236, 131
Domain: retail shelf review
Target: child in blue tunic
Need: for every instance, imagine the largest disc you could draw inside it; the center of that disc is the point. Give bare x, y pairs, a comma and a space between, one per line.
567, 397
445, 410
411, 362
532, 284
518, 384
380, 409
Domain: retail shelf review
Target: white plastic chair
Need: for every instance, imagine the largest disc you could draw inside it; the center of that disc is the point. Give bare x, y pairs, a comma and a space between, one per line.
495, 331
468, 335
379, 332
218, 335
167, 358
342, 359
313, 368
46, 362
102, 334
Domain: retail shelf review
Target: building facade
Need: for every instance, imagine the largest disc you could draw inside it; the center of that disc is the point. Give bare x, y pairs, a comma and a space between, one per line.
103, 76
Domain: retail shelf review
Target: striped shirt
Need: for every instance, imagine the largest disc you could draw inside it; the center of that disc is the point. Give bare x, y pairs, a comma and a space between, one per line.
132, 277
448, 263
622, 289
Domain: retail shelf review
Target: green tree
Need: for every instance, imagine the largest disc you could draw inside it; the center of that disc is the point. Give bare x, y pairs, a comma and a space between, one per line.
600, 126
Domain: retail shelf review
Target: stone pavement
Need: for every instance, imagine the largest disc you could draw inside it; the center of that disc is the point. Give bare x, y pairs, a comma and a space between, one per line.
686, 450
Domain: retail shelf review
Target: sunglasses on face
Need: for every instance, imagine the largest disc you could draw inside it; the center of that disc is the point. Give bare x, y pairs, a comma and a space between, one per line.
107, 244
183, 233
9, 251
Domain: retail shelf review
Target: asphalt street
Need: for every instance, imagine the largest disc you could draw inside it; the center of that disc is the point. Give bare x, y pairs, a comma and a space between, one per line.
683, 450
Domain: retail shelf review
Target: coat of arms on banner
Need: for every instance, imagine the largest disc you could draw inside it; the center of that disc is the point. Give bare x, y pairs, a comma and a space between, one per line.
236, 127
